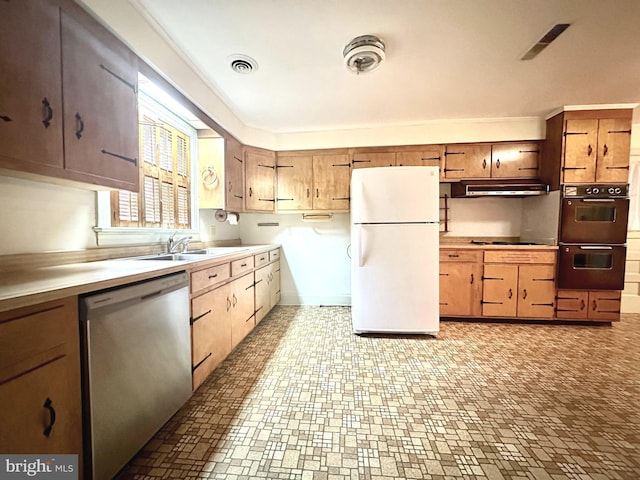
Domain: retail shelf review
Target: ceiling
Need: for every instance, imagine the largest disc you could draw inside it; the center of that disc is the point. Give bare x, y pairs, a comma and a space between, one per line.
445, 59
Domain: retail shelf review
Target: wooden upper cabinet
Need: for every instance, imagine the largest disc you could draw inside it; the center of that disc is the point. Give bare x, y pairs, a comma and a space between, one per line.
373, 159
100, 77
429, 156
586, 147
467, 161
30, 85
581, 137
233, 175
259, 180
331, 182
515, 160
295, 183
614, 150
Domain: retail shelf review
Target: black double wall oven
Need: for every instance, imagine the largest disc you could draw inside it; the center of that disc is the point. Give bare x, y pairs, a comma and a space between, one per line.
593, 233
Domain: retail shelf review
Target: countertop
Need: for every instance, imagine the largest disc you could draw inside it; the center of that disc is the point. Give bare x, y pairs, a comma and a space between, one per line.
470, 246
30, 287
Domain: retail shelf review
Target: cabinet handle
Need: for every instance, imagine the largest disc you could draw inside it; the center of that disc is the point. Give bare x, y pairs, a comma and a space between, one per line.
605, 150
307, 193
48, 113
262, 258
228, 304
595, 306
317, 193
250, 192
498, 163
230, 187
235, 300
589, 150
48, 404
453, 255
243, 264
484, 163
472, 279
582, 305
213, 276
524, 294
510, 293
79, 126
6, 118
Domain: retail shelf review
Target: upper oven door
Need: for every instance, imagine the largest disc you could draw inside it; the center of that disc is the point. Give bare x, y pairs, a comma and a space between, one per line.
594, 220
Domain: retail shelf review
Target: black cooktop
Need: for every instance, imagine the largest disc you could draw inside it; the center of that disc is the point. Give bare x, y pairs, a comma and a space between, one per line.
480, 242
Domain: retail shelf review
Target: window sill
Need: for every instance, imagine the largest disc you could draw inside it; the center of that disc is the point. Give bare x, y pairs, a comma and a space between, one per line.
118, 236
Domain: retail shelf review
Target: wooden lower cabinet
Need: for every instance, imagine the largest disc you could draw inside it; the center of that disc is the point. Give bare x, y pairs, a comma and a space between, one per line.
40, 400
241, 308
460, 289
598, 306
210, 332
522, 287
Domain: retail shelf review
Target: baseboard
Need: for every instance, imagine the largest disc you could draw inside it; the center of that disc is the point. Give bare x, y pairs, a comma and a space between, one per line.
293, 299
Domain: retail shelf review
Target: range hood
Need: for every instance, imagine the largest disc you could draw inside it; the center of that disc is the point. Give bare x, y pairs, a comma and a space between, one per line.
498, 188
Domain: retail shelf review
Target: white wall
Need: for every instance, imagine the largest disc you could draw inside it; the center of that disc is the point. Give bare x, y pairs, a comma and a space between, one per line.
315, 267
39, 217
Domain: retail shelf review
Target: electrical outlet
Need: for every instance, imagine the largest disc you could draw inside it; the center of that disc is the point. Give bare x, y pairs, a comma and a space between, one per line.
212, 232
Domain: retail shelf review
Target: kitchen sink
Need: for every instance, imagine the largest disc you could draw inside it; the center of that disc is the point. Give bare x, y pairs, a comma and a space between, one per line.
172, 257
193, 254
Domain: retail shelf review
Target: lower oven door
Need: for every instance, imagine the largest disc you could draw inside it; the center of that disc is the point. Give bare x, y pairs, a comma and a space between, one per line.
594, 220
591, 267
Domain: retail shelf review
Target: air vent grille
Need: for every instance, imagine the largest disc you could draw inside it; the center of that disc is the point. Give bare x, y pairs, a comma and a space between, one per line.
242, 64
544, 42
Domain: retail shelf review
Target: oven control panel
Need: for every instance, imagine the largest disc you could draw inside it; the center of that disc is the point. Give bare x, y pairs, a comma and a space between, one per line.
596, 191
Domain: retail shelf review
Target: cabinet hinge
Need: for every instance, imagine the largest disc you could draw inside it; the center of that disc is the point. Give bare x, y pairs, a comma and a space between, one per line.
491, 278
575, 133
482, 302
132, 86
453, 153
193, 369
341, 165
266, 166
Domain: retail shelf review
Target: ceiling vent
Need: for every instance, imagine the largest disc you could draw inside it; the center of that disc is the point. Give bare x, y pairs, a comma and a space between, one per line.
242, 64
544, 42
363, 54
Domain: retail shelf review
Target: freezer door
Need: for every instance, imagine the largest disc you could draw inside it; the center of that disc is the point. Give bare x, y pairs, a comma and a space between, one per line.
394, 278
395, 194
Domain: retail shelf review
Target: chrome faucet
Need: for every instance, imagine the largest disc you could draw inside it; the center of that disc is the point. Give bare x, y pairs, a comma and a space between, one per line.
176, 246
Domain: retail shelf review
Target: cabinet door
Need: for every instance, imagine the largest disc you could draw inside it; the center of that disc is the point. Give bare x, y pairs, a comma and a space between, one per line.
499, 290
580, 151
614, 148
515, 160
604, 306
100, 77
210, 332
30, 85
233, 176
39, 399
295, 181
536, 291
263, 292
572, 304
367, 160
242, 307
331, 178
460, 289
467, 161
426, 157
274, 284
259, 182
210, 167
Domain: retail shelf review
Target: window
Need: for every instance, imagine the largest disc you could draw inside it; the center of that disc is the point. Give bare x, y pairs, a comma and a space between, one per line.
164, 200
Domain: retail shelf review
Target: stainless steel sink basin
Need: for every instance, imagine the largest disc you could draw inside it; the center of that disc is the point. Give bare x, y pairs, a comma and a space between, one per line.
172, 257
193, 254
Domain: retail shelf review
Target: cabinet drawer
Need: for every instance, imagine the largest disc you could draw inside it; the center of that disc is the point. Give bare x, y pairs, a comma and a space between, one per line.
209, 277
519, 256
468, 256
28, 335
274, 255
238, 267
261, 259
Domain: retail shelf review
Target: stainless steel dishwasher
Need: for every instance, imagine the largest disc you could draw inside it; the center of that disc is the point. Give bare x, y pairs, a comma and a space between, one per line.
136, 367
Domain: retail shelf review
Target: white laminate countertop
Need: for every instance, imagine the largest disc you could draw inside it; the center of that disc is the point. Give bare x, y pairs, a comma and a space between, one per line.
470, 246
30, 287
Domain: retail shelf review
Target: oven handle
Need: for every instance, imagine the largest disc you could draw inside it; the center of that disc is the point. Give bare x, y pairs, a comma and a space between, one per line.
599, 200
596, 248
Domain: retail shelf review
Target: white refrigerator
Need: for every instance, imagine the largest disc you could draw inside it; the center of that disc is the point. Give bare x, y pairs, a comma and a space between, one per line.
395, 214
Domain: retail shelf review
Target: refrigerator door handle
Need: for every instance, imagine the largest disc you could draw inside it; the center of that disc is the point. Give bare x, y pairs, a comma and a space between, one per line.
358, 243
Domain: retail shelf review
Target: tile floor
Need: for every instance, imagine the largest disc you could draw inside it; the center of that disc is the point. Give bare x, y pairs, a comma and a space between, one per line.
304, 398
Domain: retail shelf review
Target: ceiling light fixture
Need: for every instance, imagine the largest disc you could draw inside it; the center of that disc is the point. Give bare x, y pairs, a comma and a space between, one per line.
242, 64
363, 54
